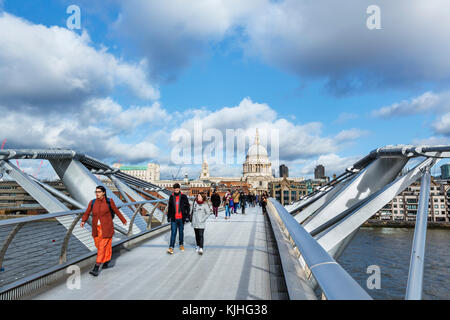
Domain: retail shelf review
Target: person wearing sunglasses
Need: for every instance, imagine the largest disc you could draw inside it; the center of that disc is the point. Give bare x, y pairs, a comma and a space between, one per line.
103, 210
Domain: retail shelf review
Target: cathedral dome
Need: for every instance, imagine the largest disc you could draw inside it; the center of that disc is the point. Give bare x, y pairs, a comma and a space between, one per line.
257, 161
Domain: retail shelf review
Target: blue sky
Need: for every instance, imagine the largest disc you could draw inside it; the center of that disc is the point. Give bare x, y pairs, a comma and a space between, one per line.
334, 89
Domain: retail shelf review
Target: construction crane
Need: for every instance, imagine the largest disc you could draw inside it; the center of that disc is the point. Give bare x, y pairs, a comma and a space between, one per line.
178, 172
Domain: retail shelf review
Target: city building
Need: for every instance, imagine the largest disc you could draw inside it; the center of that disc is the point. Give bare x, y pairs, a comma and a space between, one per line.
445, 171
149, 173
288, 190
404, 206
204, 174
284, 171
319, 172
257, 169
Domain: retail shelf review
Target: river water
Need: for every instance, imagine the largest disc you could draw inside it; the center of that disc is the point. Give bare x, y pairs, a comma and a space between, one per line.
390, 249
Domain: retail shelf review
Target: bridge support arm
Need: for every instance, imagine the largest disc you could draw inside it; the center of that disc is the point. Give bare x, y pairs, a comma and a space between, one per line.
415, 276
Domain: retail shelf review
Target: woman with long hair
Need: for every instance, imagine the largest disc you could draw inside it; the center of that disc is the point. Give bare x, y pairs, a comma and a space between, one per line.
200, 213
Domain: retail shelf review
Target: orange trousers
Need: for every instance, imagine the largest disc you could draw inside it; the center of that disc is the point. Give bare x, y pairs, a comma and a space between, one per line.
104, 247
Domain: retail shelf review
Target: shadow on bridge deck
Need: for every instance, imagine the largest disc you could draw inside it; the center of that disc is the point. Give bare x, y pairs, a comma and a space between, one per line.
234, 265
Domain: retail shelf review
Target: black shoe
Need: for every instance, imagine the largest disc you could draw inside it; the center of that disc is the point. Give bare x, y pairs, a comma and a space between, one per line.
106, 265
95, 272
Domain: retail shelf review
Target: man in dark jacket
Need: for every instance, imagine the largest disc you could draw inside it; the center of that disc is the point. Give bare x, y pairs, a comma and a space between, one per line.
243, 201
177, 214
215, 200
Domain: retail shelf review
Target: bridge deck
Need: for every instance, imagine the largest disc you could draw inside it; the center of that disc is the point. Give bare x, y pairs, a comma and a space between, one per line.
234, 265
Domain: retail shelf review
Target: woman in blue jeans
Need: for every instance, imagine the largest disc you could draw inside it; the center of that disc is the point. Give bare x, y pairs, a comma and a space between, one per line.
226, 201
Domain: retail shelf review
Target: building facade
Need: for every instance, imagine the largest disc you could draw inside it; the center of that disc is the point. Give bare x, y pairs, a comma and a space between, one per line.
404, 206
257, 169
319, 172
149, 173
445, 171
284, 171
288, 190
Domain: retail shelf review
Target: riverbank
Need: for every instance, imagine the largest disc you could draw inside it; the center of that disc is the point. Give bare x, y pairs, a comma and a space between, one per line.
404, 224
16, 216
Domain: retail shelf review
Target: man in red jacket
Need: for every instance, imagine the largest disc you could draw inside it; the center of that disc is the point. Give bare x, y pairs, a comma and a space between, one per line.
178, 213
102, 227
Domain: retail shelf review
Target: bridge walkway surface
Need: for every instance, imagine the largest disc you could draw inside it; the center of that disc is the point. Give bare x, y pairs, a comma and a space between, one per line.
240, 262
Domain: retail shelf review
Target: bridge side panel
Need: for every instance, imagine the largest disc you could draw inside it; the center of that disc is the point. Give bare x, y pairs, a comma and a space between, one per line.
81, 183
378, 174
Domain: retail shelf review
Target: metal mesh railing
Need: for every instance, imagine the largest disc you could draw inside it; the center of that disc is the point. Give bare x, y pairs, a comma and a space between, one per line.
34, 244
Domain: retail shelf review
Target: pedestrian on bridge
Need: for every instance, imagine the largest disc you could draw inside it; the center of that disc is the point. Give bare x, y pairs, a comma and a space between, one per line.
200, 213
103, 210
226, 201
236, 196
264, 198
215, 200
243, 200
177, 214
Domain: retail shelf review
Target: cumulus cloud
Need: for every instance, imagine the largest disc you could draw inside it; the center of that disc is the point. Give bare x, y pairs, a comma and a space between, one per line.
426, 102
333, 163
99, 138
173, 32
330, 39
437, 104
324, 40
54, 67
283, 139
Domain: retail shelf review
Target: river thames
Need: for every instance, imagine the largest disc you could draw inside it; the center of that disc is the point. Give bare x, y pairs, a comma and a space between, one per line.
390, 249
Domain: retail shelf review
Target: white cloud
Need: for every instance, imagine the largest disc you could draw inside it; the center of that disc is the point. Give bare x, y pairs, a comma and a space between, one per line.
442, 125
296, 141
98, 138
344, 117
427, 102
53, 66
172, 32
333, 163
327, 39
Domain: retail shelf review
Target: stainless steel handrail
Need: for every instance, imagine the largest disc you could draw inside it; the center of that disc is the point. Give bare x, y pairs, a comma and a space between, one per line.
19, 222
67, 213
334, 281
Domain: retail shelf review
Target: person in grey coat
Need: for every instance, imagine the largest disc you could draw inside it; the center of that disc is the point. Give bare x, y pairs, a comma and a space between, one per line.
200, 213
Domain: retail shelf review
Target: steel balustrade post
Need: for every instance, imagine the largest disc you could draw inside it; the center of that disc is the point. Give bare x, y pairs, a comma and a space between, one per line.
149, 222
65, 244
8, 241
415, 276
134, 216
165, 213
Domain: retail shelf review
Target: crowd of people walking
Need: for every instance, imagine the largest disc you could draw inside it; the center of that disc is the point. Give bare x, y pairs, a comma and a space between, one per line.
179, 212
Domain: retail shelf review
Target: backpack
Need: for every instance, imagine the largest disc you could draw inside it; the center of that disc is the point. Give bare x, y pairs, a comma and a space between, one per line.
109, 205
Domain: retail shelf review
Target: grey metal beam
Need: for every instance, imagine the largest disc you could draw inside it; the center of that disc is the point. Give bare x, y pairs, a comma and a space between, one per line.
59, 194
81, 184
49, 202
334, 236
415, 276
149, 207
379, 173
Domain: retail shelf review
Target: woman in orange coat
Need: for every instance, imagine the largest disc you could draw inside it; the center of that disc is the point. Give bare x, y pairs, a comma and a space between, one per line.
102, 227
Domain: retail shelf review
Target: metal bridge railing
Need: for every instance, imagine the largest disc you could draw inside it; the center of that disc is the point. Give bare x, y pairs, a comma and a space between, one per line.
42, 248
334, 281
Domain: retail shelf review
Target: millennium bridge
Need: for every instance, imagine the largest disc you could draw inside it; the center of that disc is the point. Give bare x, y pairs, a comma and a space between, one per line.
288, 253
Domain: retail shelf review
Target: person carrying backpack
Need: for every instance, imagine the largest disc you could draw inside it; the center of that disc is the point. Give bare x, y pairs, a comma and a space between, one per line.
103, 210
